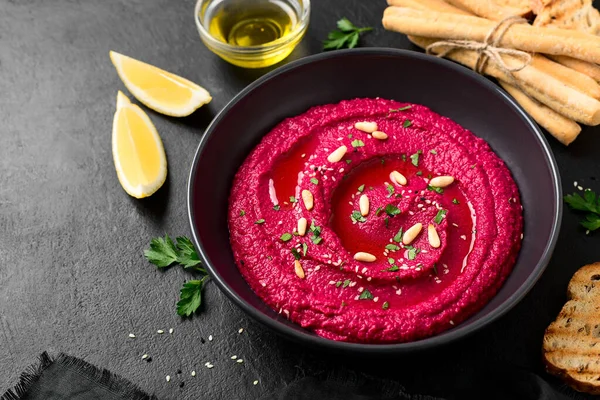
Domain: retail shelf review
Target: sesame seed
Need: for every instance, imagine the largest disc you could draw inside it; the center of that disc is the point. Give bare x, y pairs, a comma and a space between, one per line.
303, 155
352, 284
160, 331
208, 365
575, 184
521, 236
376, 299
586, 232
168, 378
263, 284
579, 187
233, 357
369, 279
341, 170
210, 338
318, 267
359, 276
455, 225
451, 322
241, 330
171, 331
360, 289
144, 356
411, 213
463, 237
131, 335
193, 373
399, 292
255, 383
240, 361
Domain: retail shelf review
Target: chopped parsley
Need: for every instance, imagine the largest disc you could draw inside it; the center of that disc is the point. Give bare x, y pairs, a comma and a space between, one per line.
361, 188
403, 157
392, 210
433, 151
390, 189
286, 237
395, 110
398, 237
382, 161
407, 123
379, 210
393, 268
436, 189
293, 199
386, 220
385, 305
392, 246
304, 249
349, 136
415, 158
276, 207
338, 284
435, 269
439, 216
295, 253
473, 166
242, 213
316, 233
412, 252
391, 261
348, 162
419, 173
356, 216
260, 221
314, 180
455, 201
346, 283
357, 143
365, 295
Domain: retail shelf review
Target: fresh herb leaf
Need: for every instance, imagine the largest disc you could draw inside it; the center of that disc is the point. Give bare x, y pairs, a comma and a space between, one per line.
276, 207
398, 236
190, 297
391, 261
361, 188
357, 143
393, 268
346, 283
314, 180
385, 305
392, 210
338, 284
365, 295
412, 252
316, 233
433, 151
286, 237
589, 203
436, 189
395, 110
455, 201
260, 221
386, 220
379, 210
242, 213
390, 189
356, 216
188, 257
407, 123
346, 35
293, 199
392, 246
419, 173
162, 252
295, 253
440, 216
415, 158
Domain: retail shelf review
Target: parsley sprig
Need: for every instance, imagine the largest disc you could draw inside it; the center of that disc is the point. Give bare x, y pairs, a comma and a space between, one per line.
589, 203
346, 35
163, 253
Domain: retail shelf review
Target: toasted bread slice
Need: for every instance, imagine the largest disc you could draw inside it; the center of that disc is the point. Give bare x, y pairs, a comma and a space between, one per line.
579, 15
571, 348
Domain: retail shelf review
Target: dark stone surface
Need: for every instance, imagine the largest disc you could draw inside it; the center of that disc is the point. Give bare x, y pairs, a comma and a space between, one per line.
72, 274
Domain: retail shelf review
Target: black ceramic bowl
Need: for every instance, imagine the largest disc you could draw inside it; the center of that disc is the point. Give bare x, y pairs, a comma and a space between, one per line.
448, 89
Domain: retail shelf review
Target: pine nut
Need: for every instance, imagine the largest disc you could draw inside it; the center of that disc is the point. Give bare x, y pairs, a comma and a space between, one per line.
398, 178
302, 223
337, 155
368, 127
308, 199
363, 202
298, 269
411, 233
432, 235
365, 257
441, 181
379, 135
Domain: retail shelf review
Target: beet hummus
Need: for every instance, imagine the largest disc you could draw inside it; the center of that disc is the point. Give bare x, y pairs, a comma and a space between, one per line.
374, 221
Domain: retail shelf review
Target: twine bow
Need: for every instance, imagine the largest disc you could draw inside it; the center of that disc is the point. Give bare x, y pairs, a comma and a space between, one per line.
488, 50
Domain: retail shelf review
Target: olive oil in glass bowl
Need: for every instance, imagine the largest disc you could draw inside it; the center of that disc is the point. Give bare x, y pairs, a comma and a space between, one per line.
252, 33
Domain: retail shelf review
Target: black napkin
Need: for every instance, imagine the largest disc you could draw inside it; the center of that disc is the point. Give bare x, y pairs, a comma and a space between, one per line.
69, 378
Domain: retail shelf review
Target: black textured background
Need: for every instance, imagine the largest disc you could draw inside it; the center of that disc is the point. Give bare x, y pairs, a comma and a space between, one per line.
72, 274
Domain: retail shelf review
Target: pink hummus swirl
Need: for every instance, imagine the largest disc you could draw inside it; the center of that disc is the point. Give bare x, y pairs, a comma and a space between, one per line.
411, 291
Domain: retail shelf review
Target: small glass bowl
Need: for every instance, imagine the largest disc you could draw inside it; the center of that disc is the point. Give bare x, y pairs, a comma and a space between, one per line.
253, 56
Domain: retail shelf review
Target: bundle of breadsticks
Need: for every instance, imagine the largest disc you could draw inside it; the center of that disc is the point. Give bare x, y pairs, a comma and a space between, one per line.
558, 84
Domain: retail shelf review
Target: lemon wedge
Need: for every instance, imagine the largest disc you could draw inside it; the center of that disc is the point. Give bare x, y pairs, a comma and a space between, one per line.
138, 152
159, 90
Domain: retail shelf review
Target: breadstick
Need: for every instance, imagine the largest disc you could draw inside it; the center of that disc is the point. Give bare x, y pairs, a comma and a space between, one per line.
539, 85
488, 9
589, 69
519, 36
563, 129
568, 76
425, 5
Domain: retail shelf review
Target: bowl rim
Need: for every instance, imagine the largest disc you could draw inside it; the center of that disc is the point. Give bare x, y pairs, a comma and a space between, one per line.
447, 337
